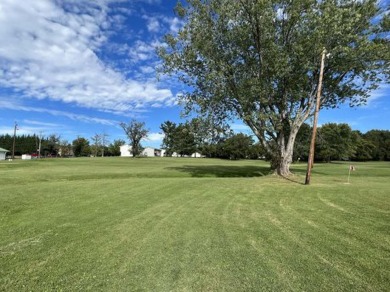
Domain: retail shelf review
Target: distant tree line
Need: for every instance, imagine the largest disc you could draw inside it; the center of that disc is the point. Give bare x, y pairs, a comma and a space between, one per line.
213, 141
334, 142
29, 144
340, 142
54, 146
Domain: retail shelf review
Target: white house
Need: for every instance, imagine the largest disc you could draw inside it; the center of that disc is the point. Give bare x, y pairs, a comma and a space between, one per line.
154, 152
3, 153
193, 155
151, 152
125, 150
148, 151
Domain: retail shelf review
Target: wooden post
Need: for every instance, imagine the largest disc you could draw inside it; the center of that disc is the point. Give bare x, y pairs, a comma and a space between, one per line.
314, 132
40, 145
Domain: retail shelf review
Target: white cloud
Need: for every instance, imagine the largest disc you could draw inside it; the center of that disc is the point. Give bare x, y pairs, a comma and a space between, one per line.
30, 127
240, 128
151, 1
142, 51
376, 95
38, 123
21, 130
174, 24
153, 23
50, 51
155, 137
153, 140
147, 69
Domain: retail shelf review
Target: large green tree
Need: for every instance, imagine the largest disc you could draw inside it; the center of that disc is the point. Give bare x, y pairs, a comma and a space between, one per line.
184, 140
190, 137
81, 147
114, 148
335, 142
380, 139
363, 147
237, 147
168, 142
259, 61
51, 145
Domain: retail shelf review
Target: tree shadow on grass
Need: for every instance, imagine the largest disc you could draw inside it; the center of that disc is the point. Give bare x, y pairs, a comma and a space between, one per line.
222, 171
296, 172
293, 180
294, 169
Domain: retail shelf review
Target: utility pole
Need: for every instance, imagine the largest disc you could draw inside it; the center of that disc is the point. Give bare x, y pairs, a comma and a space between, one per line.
317, 109
104, 141
40, 144
13, 145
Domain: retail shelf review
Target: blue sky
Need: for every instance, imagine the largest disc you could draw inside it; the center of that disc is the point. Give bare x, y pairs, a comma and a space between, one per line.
81, 68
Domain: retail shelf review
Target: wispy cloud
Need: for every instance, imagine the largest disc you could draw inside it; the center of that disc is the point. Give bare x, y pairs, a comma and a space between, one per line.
52, 51
43, 124
174, 23
21, 130
76, 117
375, 96
31, 127
153, 23
240, 128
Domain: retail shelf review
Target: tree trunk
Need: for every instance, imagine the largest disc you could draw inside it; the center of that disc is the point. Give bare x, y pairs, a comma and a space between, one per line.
284, 165
282, 158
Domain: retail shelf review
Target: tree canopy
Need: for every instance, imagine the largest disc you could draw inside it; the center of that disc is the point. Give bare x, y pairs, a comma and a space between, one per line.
81, 147
135, 131
335, 142
260, 61
178, 138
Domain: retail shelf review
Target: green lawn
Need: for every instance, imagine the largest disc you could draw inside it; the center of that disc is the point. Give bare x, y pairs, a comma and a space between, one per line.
112, 224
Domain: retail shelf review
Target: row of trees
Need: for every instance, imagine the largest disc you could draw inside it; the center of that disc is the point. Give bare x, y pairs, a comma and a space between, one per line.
29, 144
334, 142
191, 136
54, 146
235, 146
340, 142
82, 147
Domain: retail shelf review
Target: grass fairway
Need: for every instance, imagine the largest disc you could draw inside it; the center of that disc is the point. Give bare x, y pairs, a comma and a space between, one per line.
169, 224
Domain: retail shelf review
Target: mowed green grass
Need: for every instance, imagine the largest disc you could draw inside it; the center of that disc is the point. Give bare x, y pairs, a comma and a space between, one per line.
123, 224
